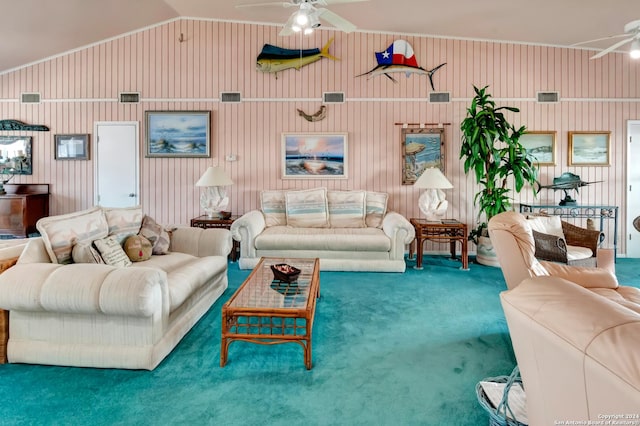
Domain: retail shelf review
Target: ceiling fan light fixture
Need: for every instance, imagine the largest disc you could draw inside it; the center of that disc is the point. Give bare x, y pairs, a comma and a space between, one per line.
308, 31
302, 18
634, 53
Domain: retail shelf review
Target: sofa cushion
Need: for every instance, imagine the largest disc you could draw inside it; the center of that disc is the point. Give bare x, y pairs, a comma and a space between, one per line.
111, 252
338, 239
61, 233
156, 234
272, 204
307, 208
346, 209
123, 222
376, 204
137, 248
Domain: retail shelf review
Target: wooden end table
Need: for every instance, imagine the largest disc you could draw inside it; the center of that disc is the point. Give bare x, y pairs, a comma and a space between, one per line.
206, 222
440, 231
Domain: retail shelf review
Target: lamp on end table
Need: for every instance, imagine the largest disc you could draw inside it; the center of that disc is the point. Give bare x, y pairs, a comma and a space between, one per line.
432, 202
214, 200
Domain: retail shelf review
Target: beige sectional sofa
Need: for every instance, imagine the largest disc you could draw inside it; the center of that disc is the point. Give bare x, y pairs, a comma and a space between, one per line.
98, 315
347, 230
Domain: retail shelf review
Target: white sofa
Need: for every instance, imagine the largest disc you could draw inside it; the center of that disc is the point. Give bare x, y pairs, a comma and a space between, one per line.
575, 332
97, 315
346, 230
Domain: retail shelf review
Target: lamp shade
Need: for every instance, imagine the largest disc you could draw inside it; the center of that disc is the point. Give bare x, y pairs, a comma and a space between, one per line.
433, 179
214, 176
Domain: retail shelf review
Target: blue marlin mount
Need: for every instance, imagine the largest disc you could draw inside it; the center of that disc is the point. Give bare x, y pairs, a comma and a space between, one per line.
399, 57
273, 59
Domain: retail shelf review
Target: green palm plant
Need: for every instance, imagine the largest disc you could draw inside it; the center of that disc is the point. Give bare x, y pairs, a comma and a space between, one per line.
491, 148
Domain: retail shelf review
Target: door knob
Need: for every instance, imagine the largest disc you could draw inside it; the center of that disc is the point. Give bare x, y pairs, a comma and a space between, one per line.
132, 195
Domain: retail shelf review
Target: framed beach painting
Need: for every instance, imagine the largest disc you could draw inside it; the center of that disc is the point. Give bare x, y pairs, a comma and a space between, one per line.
15, 154
314, 155
71, 147
589, 148
178, 134
422, 148
541, 146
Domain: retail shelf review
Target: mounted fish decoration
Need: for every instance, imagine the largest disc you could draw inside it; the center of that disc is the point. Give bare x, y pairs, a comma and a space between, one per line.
321, 114
274, 59
399, 57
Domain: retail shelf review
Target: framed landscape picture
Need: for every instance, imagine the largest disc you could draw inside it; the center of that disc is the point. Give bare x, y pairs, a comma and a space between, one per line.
71, 147
589, 148
178, 134
541, 146
314, 155
422, 148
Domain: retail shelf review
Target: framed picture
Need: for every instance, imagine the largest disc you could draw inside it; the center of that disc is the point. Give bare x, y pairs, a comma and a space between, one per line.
71, 147
589, 148
541, 146
422, 148
314, 155
178, 134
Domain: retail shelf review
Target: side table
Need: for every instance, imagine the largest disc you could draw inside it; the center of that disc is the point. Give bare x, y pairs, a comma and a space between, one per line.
445, 230
206, 222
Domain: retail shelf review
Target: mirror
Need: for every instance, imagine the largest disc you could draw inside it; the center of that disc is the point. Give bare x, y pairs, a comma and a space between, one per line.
15, 155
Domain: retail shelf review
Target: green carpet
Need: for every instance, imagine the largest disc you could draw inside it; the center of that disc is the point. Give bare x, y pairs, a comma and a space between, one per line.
388, 349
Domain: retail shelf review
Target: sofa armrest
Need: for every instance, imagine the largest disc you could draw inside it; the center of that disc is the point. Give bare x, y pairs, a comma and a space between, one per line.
584, 276
201, 242
400, 231
245, 229
83, 288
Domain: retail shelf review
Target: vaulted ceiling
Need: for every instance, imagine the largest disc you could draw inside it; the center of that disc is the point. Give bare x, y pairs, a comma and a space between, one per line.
33, 30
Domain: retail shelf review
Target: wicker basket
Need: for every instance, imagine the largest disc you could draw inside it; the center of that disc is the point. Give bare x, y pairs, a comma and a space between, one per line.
498, 415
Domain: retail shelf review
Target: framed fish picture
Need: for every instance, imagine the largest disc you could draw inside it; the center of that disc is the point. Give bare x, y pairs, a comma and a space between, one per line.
314, 155
422, 148
178, 134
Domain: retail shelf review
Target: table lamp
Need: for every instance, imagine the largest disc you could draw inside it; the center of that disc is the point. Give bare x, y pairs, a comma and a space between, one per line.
432, 202
214, 199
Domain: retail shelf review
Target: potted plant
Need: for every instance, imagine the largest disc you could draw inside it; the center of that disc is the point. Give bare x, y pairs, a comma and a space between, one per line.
491, 148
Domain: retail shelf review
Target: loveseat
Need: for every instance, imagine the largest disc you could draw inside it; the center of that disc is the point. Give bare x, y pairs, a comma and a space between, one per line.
575, 332
90, 314
346, 230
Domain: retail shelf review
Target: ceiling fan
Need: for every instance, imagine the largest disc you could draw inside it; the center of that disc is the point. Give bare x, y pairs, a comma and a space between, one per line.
308, 15
632, 34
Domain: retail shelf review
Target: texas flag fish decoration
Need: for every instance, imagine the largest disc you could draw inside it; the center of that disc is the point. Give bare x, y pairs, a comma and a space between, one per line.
399, 57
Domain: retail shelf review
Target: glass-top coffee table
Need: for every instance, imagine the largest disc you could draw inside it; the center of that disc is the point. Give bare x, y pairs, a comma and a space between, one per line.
267, 311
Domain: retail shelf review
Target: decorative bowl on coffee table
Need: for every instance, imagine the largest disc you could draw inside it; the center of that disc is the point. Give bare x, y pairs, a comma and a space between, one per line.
284, 272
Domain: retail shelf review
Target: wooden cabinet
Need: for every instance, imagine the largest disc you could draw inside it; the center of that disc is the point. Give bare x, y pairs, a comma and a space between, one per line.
21, 207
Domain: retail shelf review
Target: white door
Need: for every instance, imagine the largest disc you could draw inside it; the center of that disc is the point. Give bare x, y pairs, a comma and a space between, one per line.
633, 187
117, 164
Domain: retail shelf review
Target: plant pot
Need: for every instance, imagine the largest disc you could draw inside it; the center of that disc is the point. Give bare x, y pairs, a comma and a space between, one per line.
485, 253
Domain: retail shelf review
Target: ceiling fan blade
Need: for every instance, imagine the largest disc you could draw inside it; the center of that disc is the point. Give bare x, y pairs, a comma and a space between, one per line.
288, 28
600, 39
612, 48
273, 3
336, 20
342, 1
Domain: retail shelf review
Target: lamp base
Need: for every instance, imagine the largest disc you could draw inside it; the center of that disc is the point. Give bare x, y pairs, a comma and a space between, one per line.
433, 204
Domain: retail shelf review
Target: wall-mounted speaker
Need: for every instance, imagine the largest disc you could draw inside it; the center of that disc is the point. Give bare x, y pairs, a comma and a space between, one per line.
230, 97
30, 98
548, 97
439, 97
333, 98
129, 97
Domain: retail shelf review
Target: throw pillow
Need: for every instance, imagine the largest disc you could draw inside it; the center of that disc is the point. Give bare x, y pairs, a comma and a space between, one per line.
111, 251
86, 253
272, 204
123, 222
346, 209
156, 234
307, 208
376, 208
138, 248
61, 233
551, 225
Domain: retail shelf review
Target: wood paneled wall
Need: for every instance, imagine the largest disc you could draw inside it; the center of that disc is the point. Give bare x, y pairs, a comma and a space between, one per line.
81, 87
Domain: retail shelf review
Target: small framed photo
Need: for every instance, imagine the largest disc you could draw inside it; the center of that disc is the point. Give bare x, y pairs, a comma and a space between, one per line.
541, 146
314, 155
422, 148
71, 147
589, 148
178, 134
